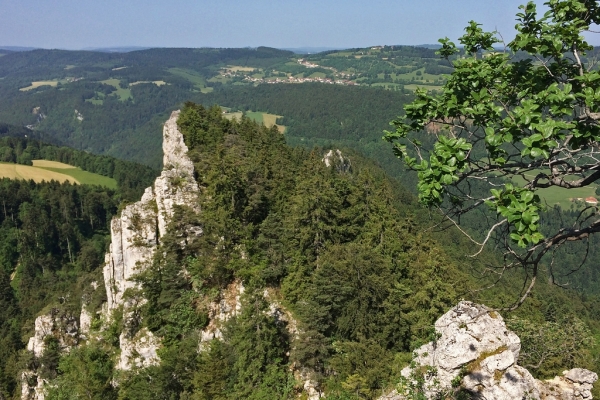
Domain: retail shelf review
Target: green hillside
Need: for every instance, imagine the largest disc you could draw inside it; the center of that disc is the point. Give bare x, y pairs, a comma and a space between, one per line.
107, 103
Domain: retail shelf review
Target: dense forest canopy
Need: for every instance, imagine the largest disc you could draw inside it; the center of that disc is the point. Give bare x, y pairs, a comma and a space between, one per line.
341, 247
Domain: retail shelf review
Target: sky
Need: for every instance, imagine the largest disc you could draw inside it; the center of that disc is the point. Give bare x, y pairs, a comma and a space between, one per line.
80, 24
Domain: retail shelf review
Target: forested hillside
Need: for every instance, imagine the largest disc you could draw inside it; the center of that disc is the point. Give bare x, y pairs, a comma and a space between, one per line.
114, 103
53, 238
345, 249
326, 116
342, 248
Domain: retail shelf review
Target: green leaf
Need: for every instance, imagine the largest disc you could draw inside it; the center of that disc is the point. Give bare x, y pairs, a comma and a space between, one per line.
535, 152
526, 217
527, 196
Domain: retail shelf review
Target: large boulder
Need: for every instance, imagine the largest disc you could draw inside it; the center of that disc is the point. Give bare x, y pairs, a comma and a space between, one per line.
476, 354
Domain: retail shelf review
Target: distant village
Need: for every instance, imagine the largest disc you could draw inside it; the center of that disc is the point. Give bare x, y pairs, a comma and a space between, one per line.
291, 79
345, 78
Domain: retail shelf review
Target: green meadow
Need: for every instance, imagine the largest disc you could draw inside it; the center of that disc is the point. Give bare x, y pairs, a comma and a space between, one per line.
123, 94
191, 76
565, 198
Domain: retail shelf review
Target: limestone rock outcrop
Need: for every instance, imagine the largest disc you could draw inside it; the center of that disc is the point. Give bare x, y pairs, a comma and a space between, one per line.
135, 235
337, 160
61, 326
476, 353
227, 305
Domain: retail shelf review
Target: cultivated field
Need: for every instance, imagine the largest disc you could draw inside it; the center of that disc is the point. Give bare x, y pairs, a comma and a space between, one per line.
38, 84
44, 170
26, 172
236, 68
51, 164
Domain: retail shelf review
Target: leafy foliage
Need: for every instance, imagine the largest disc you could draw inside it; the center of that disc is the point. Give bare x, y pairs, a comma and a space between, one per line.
532, 116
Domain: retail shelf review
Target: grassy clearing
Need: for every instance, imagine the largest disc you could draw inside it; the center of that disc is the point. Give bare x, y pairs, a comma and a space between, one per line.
565, 198
37, 84
270, 119
157, 83
237, 68
190, 75
123, 94
255, 116
267, 119
76, 173
236, 115
85, 177
317, 75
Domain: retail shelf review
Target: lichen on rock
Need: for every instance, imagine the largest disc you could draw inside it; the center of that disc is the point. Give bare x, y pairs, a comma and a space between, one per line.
476, 353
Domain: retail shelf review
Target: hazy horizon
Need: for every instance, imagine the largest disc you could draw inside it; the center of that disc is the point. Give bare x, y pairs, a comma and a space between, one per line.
76, 25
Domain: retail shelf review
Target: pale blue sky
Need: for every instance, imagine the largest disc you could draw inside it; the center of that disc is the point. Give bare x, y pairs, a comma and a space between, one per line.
76, 24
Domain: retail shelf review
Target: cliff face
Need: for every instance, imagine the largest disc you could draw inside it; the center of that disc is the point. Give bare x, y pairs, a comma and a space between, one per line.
475, 353
135, 235
61, 326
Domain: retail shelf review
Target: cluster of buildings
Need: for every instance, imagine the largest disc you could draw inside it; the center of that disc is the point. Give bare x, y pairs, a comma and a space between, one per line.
588, 200
340, 79
291, 79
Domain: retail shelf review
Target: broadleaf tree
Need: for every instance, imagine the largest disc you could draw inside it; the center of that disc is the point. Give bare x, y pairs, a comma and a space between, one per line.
512, 118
